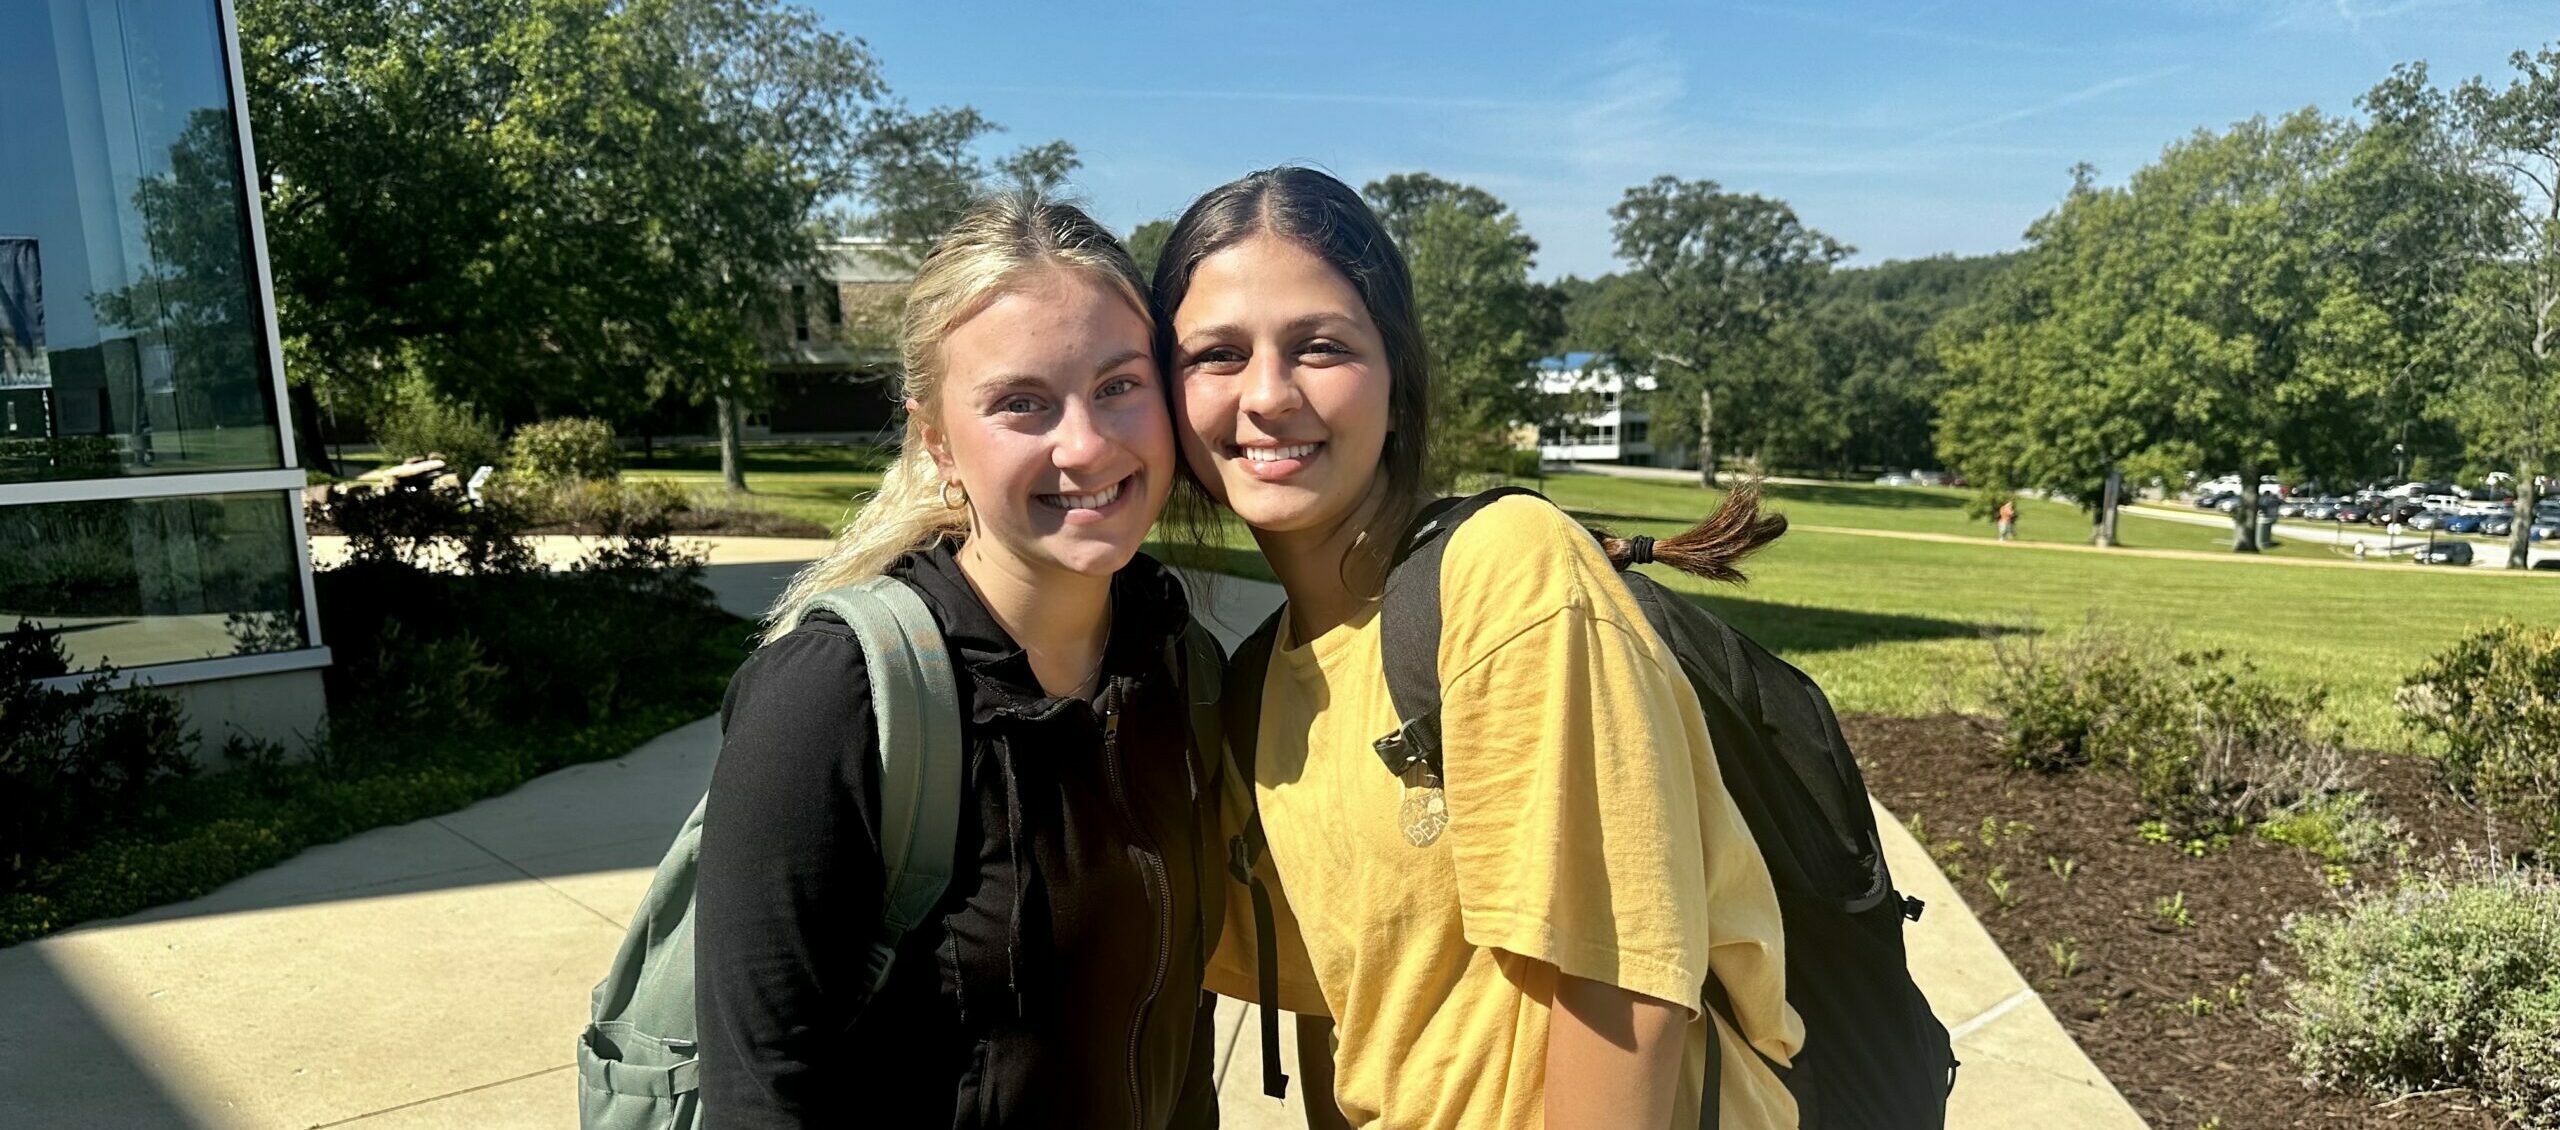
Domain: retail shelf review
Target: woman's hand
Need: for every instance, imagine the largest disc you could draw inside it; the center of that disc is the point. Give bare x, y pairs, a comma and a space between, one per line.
1613, 1057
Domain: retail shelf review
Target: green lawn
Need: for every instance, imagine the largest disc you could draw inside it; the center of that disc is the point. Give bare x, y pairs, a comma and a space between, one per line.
814, 482
1892, 625
1898, 626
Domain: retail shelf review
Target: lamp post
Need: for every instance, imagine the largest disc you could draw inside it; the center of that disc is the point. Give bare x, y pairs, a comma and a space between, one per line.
2399, 463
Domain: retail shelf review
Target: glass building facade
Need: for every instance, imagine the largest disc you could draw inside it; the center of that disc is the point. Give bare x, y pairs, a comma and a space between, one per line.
150, 510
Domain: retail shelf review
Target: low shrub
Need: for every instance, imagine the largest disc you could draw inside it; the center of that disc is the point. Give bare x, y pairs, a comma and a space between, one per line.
426, 527
218, 827
611, 507
416, 422
2520, 1070
2066, 699
2250, 750
2339, 828
2493, 700
571, 450
75, 760
2449, 980
464, 668
2211, 746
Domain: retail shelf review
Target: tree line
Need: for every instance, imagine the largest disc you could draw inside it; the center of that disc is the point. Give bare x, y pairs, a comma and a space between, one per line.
543, 207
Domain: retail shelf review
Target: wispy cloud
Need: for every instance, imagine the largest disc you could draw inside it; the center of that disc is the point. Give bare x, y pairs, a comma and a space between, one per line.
1299, 97
2094, 90
1905, 31
1633, 110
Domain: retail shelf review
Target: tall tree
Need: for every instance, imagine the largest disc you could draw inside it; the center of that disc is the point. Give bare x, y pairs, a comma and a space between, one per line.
2036, 396
2185, 320
1485, 323
1709, 273
1146, 245
554, 205
2507, 398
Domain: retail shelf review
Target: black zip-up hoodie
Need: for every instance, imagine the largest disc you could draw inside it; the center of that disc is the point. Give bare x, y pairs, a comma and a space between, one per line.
1057, 982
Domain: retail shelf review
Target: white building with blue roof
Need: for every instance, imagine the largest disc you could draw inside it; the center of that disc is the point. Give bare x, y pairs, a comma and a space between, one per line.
1607, 425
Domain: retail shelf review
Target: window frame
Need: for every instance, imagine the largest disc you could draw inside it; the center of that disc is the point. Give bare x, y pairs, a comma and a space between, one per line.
287, 478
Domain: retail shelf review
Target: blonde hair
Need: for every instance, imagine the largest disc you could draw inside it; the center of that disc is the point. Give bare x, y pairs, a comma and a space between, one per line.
1002, 240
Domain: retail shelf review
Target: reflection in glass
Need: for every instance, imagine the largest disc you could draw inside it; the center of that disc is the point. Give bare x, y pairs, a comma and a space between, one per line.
131, 341
131, 582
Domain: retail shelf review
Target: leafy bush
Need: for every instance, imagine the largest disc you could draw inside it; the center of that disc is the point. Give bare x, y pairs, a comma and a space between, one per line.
446, 623
2450, 980
2339, 828
463, 669
73, 761
572, 450
2209, 743
221, 826
595, 506
2520, 1070
419, 527
2494, 700
416, 423
2250, 750
2070, 699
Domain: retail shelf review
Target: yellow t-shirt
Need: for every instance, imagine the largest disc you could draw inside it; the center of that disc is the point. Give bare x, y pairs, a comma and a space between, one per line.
1588, 832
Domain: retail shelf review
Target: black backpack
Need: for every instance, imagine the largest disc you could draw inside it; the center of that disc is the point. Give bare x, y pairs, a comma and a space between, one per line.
1874, 1057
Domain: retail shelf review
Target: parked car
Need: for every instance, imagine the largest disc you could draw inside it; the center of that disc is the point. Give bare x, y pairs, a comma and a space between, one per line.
2321, 509
1931, 478
2498, 525
2445, 553
2394, 510
2428, 519
2545, 529
2352, 511
2462, 524
1896, 479
2212, 499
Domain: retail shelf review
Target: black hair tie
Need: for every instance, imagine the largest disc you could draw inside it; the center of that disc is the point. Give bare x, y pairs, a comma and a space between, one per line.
1639, 550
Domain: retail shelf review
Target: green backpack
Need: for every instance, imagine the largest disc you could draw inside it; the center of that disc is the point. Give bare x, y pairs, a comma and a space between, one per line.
636, 1065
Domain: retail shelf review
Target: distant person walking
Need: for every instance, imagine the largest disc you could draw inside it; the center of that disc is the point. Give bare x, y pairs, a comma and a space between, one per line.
2008, 521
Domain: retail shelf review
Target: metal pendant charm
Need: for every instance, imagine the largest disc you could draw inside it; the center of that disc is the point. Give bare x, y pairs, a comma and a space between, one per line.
1424, 811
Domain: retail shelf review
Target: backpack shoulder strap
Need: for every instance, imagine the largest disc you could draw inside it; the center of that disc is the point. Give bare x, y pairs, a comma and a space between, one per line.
1241, 713
915, 701
1409, 629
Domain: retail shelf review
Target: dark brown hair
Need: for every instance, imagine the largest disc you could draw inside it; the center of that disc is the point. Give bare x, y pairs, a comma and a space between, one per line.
1330, 221
1714, 548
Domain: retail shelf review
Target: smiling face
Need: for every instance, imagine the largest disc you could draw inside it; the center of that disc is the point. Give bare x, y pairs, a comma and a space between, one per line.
1051, 416
1282, 385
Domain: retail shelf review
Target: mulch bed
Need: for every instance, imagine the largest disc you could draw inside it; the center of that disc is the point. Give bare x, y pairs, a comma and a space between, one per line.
2175, 1015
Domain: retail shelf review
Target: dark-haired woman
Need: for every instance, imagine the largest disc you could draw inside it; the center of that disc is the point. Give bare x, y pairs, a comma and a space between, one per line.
1540, 962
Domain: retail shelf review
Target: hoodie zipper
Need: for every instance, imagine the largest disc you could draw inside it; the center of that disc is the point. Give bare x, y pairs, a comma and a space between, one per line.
1160, 892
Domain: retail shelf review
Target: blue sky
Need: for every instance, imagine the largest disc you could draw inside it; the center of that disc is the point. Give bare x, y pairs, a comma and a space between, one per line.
1903, 128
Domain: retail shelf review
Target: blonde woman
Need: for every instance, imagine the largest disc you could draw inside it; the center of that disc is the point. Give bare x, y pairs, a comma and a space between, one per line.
1057, 981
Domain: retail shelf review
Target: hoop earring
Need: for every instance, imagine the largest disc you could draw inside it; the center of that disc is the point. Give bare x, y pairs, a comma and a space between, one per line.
945, 495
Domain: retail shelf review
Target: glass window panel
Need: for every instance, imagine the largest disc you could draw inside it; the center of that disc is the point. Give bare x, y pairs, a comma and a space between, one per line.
131, 582
131, 338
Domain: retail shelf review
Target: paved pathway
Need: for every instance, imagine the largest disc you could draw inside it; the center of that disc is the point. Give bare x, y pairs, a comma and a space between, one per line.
435, 974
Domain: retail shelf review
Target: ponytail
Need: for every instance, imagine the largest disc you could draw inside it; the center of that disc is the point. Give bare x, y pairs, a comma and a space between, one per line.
1713, 548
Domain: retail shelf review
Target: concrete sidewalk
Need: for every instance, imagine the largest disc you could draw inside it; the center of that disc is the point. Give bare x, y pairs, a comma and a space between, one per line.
435, 974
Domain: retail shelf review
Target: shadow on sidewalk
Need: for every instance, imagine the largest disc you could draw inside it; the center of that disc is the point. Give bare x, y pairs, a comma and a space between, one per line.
53, 1023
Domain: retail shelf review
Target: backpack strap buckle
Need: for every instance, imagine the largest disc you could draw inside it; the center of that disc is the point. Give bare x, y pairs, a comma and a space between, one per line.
1415, 743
